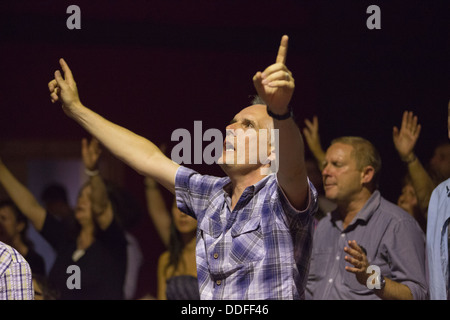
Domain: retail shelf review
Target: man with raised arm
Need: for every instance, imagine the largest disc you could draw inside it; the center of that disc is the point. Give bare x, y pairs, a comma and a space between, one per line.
255, 230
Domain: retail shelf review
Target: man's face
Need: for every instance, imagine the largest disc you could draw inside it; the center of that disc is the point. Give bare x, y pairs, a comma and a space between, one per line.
440, 162
9, 227
342, 179
184, 223
83, 213
408, 199
246, 131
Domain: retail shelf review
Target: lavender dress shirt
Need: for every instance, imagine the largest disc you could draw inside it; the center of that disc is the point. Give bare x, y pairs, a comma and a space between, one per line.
393, 240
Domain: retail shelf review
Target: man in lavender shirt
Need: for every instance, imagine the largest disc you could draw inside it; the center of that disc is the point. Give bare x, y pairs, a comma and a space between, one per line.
367, 248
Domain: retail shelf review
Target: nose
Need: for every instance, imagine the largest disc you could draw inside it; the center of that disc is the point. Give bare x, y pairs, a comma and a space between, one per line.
325, 170
230, 132
231, 127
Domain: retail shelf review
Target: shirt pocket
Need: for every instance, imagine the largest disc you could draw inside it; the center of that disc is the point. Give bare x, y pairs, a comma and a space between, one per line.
247, 243
318, 264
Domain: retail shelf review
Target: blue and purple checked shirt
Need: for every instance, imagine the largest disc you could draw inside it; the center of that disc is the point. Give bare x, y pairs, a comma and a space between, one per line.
15, 275
258, 250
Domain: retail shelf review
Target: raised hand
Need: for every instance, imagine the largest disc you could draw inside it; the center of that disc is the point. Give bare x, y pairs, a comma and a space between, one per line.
90, 153
311, 134
405, 139
275, 85
357, 257
64, 89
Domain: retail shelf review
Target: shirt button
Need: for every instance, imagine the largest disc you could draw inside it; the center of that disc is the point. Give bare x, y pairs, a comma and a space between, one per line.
330, 280
216, 255
337, 257
342, 235
218, 282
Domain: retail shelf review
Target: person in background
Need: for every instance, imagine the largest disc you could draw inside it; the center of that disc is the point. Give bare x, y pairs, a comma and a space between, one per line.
312, 137
424, 180
98, 247
315, 166
315, 175
408, 201
42, 289
438, 238
364, 232
54, 199
177, 269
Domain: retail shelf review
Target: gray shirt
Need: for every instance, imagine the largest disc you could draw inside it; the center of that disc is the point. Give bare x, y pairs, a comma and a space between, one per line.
392, 238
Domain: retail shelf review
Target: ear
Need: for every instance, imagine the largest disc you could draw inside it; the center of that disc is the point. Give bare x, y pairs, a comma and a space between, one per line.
367, 174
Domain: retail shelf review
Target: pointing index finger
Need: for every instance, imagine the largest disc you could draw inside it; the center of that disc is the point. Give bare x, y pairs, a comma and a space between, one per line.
67, 72
282, 51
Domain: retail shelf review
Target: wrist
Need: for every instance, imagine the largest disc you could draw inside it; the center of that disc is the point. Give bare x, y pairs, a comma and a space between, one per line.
381, 283
150, 184
409, 158
91, 173
74, 109
281, 116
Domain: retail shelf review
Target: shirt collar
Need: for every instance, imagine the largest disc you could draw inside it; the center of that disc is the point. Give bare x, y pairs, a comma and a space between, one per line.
369, 208
250, 190
365, 213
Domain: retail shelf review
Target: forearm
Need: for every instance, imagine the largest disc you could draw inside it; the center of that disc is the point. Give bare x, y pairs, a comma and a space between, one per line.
157, 210
394, 291
422, 183
23, 198
136, 151
292, 172
99, 196
101, 206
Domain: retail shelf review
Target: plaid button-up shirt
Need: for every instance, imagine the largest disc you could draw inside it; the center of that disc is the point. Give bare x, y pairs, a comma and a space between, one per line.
15, 275
258, 250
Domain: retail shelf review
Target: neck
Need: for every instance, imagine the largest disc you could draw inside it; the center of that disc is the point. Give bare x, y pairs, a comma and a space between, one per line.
20, 246
240, 182
349, 209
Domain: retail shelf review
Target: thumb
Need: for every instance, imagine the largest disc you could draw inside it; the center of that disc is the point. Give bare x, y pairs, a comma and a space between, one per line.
395, 132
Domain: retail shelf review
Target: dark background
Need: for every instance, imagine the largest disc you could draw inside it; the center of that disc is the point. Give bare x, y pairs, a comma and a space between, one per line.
155, 66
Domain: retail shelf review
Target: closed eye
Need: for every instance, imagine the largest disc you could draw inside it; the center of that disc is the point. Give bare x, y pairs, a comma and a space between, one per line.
336, 164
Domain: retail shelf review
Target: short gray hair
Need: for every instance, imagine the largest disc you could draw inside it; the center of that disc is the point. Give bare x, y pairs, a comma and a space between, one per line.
257, 100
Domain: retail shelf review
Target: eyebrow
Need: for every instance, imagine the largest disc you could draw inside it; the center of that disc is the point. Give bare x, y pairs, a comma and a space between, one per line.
244, 121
